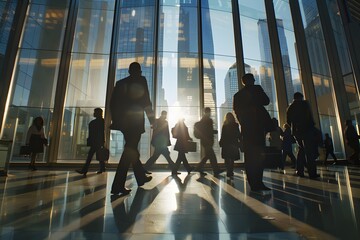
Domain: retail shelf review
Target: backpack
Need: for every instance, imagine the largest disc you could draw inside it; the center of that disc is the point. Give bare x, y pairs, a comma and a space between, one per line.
197, 130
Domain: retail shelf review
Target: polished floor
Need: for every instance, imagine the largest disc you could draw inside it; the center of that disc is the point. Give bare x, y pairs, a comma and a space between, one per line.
65, 205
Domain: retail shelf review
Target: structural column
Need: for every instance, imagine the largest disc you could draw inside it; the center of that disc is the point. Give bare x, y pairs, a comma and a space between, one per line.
339, 89
60, 95
304, 60
278, 67
239, 51
10, 56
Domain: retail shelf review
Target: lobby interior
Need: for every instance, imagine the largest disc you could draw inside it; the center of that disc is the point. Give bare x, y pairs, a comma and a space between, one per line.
60, 59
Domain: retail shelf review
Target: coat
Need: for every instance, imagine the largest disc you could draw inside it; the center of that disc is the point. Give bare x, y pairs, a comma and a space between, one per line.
161, 136
248, 105
230, 141
36, 139
299, 117
128, 102
181, 133
96, 137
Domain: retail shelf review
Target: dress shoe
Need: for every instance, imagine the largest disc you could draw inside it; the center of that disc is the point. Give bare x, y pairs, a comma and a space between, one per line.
217, 172
146, 179
175, 173
81, 172
147, 172
230, 174
99, 172
300, 174
190, 170
123, 191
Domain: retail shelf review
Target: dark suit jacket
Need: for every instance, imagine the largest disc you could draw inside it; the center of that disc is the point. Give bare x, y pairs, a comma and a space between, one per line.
249, 108
161, 136
299, 117
128, 102
96, 133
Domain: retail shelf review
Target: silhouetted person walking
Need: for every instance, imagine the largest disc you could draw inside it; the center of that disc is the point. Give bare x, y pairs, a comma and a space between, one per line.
249, 108
276, 141
36, 140
207, 132
128, 102
160, 140
95, 140
329, 148
181, 133
230, 143
287, 145
300, 118
352, 140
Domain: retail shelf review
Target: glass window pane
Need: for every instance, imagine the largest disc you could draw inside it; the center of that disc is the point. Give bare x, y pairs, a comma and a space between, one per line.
177, 33
93, 31
136, 3
7, 12
178, 3
44, 27
36, 71
321, 73
87, 81
178, 92
287, 46
257, 55
136, 30
98, 4
223, 5
219, 63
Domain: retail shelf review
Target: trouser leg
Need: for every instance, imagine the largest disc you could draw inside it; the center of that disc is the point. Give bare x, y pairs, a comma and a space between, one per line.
90, 155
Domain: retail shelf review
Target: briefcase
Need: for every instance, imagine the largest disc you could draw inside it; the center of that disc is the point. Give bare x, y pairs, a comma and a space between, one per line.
102, 154
271, 157
191, 146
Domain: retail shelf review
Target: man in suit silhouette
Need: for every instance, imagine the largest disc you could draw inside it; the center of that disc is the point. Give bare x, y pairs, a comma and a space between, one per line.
129, 100
249, 108
300, 118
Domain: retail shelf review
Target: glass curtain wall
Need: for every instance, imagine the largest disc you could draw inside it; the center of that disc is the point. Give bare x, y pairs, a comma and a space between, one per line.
256, 47
88, 73
321, 72
7, 12
219, 61
345, 62
178, 85
36, 70
288, 48
136, 43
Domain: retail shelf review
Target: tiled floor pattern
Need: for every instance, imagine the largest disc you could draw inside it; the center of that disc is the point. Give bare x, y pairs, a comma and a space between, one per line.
65, 205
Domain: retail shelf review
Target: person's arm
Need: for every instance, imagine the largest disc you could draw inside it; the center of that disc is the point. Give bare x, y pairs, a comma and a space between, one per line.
147, 103
261, 98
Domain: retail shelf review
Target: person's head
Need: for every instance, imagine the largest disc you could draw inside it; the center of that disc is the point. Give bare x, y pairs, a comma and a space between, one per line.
38, 122
207, 111
229, 118
135, 69
163, 114
248, 79
298, 96
286, 126
98, 112
348, 122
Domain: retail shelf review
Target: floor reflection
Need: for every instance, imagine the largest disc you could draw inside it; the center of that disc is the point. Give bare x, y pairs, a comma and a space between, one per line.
64, 205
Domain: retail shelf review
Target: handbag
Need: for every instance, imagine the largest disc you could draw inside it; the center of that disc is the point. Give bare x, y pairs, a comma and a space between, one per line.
191, 146
103, 154
25, 150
